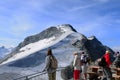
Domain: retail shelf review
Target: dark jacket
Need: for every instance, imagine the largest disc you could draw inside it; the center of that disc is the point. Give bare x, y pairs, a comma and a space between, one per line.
103, 62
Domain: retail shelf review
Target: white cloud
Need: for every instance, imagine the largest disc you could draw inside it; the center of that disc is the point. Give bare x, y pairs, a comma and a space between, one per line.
81, 7
86, 5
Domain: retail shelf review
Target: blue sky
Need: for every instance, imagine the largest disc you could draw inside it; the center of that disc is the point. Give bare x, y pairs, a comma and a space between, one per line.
22, 18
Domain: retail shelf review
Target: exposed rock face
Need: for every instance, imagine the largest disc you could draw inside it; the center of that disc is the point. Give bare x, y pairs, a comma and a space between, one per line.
93, 47
96, 49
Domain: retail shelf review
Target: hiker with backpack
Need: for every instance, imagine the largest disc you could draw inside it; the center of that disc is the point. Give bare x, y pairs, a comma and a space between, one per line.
117, 59
84, 64
51, 65
77, 66
105, 63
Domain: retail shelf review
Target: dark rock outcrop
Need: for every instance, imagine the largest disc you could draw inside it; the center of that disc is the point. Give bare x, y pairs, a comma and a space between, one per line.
93, 47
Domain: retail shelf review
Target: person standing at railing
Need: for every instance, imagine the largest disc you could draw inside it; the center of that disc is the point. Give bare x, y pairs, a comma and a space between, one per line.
84, 64
76, 65
104, 62
51, 65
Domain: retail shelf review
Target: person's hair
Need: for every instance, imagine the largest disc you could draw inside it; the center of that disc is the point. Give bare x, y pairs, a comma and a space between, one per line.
83, 52
49, 52
75, 53
107, 52
118, 52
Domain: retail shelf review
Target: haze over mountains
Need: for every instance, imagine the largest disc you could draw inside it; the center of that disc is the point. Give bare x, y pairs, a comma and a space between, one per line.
4, 51
29, 55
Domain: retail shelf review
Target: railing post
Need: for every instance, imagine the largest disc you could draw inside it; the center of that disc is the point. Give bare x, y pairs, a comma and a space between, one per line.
26, 78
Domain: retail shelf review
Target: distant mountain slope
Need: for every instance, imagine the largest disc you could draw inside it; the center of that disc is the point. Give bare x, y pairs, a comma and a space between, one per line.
4, 51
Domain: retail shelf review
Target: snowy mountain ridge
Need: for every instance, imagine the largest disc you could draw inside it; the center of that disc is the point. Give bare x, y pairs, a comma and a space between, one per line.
66, 27
41, 44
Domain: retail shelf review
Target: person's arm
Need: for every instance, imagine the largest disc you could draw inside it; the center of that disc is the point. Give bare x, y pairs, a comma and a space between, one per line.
74, 61
47, 63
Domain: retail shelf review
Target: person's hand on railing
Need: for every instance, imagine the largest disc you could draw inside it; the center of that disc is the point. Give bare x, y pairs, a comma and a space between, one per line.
43, 70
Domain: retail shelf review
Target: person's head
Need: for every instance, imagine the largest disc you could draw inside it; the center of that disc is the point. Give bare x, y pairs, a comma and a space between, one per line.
49, 52
107, 52
117, 52
83, 52
75, 53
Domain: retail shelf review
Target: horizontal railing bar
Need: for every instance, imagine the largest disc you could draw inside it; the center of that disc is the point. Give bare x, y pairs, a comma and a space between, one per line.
36, 74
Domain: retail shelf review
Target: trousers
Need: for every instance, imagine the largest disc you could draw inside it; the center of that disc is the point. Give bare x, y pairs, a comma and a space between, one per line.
52, 76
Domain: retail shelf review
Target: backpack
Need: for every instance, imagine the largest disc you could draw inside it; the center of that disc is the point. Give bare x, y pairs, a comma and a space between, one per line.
102, 62
67, 72
54, 62
84, 58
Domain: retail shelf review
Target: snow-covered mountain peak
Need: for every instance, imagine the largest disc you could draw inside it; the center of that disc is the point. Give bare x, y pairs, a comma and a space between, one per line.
66, 27
45, 39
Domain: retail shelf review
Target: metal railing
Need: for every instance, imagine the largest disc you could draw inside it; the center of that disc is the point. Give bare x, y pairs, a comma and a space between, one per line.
40, 75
